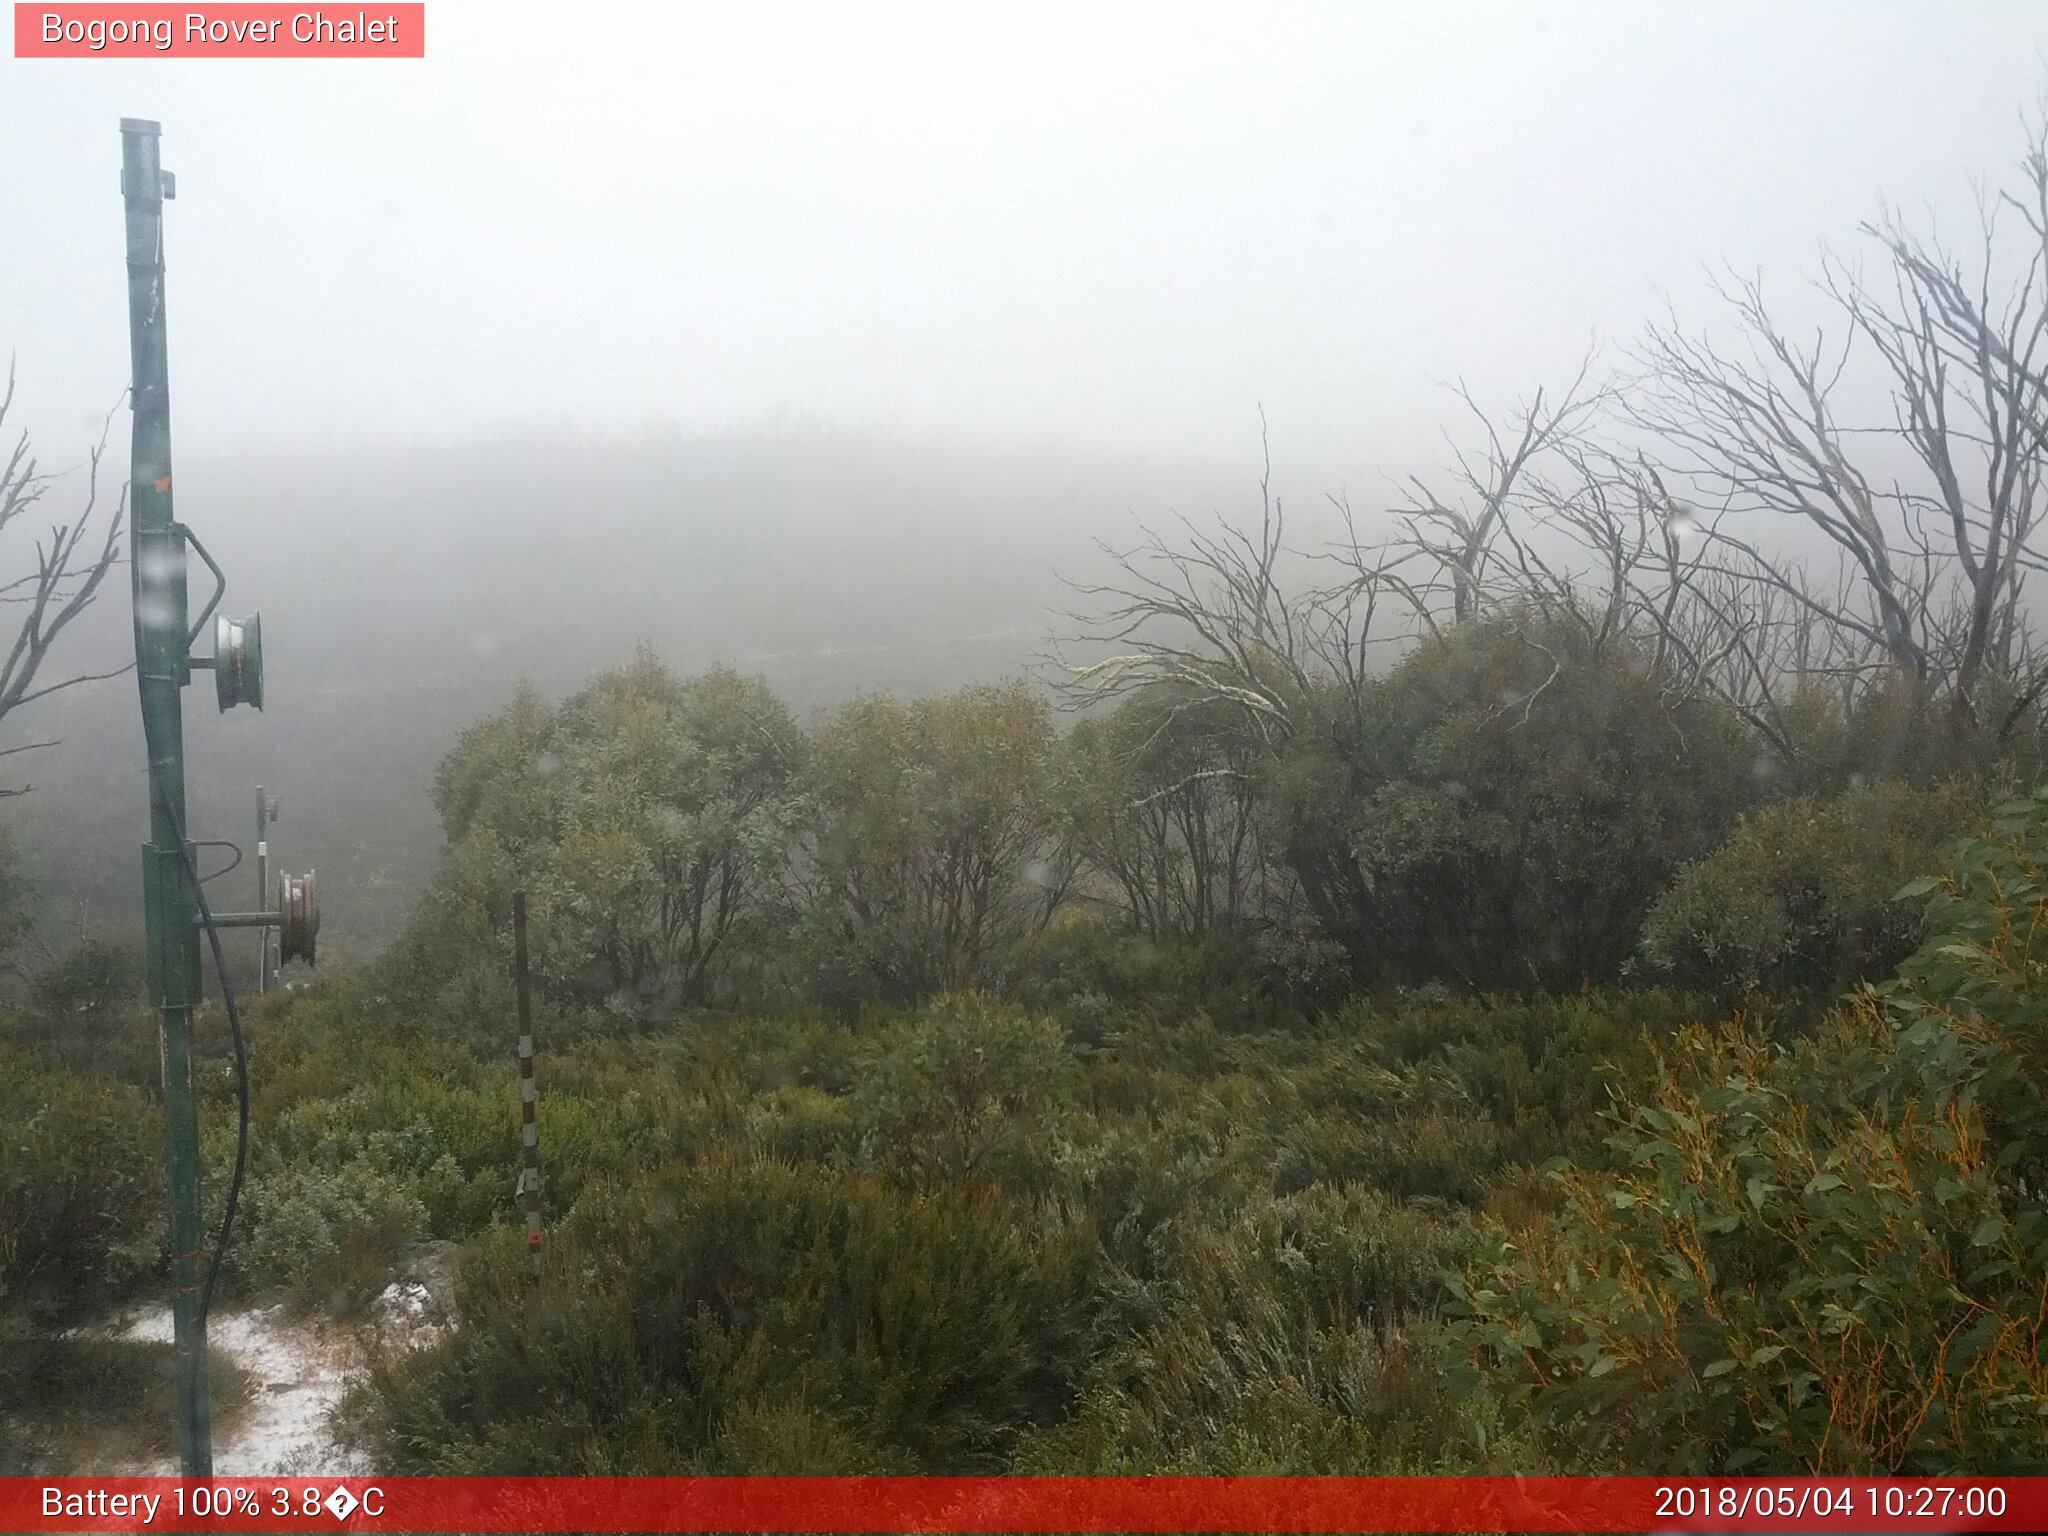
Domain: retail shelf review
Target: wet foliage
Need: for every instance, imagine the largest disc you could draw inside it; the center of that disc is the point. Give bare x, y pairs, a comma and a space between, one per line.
927, 1087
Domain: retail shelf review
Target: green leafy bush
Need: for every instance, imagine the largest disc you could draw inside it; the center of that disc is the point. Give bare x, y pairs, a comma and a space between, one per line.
1091, 968
684, 1311
1501, 809
1272, 1344
971, 1091
1829, 1257
85, 1013
329, 1237
1776, 1278
1800, 899
1969, 1004
366, 1137
81, 1192
93, 978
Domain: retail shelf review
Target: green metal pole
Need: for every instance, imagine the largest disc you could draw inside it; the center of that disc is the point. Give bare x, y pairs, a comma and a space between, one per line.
157, 551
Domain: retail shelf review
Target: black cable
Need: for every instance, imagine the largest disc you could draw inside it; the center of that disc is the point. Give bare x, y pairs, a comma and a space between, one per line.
220, 842
227, 996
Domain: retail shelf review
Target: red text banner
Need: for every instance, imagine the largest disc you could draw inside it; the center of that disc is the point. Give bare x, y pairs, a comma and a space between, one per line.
1021, 1504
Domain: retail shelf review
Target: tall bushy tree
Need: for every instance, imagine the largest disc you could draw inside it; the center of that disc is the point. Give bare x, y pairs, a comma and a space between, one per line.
1510, 807
650, 816
1161, 798
933, 842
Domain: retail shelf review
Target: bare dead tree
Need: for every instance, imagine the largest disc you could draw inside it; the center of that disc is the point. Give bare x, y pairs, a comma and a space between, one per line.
69, 566
1290, 637
1213, 617
1758, 433
1608, 554
1940, 541
1966, 354
1456, 535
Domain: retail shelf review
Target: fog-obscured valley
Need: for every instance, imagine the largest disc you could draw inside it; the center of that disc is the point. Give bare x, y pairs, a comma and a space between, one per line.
405, 591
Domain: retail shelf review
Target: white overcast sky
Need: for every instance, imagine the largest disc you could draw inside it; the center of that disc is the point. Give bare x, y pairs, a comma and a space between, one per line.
1103, 223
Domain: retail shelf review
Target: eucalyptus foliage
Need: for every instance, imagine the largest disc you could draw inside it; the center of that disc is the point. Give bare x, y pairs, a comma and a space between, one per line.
1832, 1257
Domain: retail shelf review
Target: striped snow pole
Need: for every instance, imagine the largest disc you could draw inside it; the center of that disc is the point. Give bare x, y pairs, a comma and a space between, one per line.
529, 1174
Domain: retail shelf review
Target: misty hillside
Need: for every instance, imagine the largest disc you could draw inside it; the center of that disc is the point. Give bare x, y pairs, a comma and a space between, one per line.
405, 592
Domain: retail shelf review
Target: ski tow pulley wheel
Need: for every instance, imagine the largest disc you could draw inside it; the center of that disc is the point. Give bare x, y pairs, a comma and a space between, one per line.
238, 660
298, 903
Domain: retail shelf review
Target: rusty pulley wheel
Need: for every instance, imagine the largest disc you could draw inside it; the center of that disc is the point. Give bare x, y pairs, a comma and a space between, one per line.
298, 903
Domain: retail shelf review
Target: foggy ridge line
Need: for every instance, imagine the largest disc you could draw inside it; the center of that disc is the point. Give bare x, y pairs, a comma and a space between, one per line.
930, 642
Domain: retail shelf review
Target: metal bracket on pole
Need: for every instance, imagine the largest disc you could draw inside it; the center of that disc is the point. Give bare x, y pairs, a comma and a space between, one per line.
296, 917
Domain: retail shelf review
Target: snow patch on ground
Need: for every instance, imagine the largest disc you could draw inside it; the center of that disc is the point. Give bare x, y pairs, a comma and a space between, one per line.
299, 1373
300, 1368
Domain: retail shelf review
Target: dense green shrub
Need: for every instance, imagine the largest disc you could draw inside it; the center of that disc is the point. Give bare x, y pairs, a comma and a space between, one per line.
1800, 899
912, 1330
1535, 1073
17, 897
366, 1136
81, 1192
1503, 807
1897, 728
1090, 968
1826, 1258
970, 1092
330, 1238
933, 844
85, 1013
1273, 1344
1969, 1003
75, 1399
1776, 1279
92, 979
